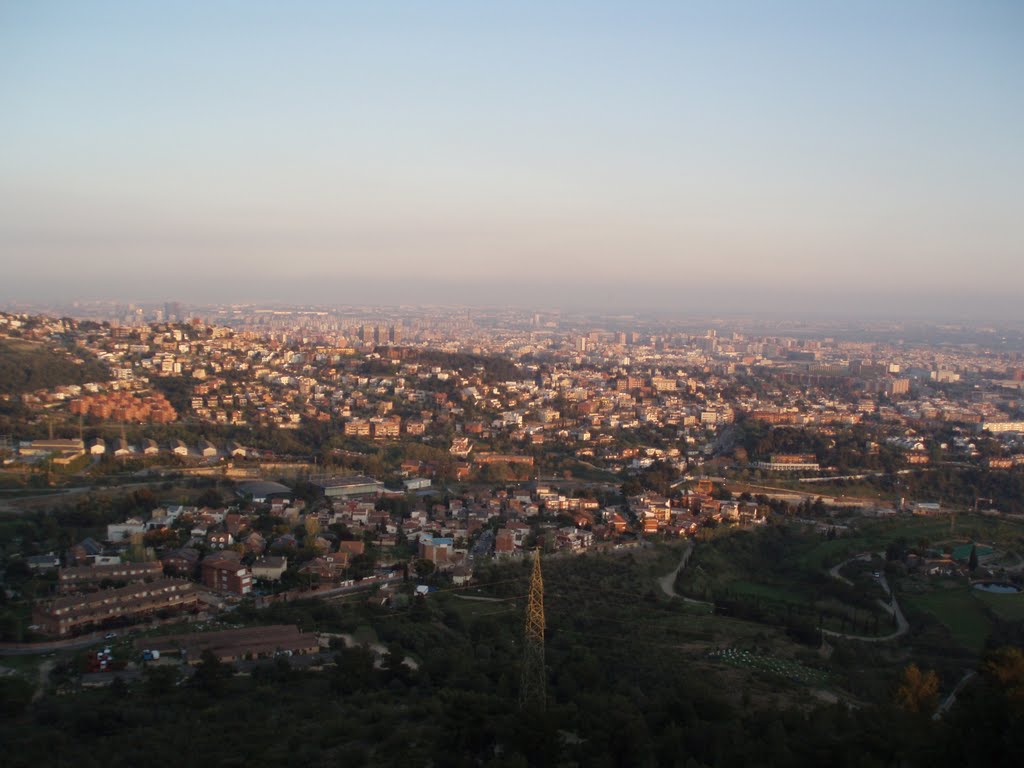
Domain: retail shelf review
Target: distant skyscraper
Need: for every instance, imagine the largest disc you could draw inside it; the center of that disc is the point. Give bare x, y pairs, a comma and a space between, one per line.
173, 312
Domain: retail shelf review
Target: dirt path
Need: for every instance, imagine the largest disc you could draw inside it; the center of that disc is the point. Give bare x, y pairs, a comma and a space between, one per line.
951, 699
379, 651
834, 572
44, 674
668, 581
480, 599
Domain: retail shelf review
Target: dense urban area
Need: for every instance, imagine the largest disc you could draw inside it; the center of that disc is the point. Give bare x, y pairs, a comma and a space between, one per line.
311, 533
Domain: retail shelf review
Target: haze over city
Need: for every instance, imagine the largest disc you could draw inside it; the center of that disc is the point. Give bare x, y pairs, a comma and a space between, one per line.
512, 384
800, 157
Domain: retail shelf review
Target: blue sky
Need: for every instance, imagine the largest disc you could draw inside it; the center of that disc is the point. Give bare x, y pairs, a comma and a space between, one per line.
865, 152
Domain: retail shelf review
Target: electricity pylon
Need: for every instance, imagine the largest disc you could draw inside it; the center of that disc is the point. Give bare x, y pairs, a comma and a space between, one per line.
534, 682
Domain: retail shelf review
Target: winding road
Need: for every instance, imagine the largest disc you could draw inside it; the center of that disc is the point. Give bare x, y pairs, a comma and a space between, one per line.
892, 608
668, 581
668, 586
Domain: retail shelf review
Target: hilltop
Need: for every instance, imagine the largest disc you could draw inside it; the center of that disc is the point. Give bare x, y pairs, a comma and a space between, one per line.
26, 366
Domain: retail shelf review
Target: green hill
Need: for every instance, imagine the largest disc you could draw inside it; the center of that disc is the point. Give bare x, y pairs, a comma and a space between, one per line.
27, 366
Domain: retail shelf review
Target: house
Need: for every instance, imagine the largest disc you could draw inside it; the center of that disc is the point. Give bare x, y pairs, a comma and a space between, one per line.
178, 448
235, 523
270, 568
330, 567
226, 574
86, 577
48, 447
352, 548
232, 645
436, 549
84, 552
519, 532
66, 614
207, 449
504, 542
123, 531
285, 542
48, 562
219, 539
238, 451
182, 562
98, 447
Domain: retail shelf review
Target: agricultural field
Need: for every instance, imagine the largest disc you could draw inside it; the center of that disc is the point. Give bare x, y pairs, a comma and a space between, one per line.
772, 665
958, 609
1006, 607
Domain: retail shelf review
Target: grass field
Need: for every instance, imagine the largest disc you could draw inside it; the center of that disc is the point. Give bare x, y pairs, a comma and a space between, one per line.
938, 529
1006, 607
960, 611
697, 609
768, 591
468, 610
828, 553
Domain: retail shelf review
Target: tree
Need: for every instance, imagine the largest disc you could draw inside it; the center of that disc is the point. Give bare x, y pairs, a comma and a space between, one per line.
632, 487
15, 695
972, 562
160, 680
354, 670
1005, 669
211, 674
918, 691
362, 565
209, 498
424, 568
394, 658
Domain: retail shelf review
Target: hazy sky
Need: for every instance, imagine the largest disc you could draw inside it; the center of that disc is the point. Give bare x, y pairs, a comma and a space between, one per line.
630, 152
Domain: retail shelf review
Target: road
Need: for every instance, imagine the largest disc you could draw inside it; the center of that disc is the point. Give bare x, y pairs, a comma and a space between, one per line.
70, 644
668, 581
345, 590
951, 699
21, 504
892, 608
379, 650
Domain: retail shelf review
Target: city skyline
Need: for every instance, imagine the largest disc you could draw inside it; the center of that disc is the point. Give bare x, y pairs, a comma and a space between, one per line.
809, 158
